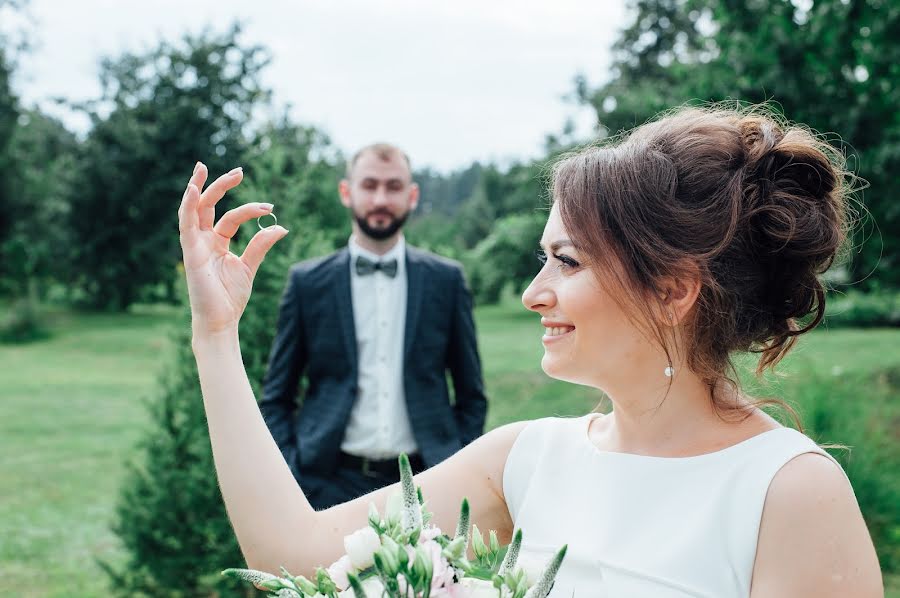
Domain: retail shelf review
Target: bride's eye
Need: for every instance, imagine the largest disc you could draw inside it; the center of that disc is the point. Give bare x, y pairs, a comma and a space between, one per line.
566, 263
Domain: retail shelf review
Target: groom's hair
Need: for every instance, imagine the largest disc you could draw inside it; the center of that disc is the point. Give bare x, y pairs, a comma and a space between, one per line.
384, 152
752, 205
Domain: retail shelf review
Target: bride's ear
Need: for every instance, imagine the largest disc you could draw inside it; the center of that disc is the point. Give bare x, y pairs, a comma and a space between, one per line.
678, 295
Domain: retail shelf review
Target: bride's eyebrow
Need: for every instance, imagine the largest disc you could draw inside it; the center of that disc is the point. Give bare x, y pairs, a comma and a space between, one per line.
555, 246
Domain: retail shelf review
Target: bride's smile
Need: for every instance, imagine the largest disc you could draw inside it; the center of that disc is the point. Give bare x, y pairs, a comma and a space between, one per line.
555, 330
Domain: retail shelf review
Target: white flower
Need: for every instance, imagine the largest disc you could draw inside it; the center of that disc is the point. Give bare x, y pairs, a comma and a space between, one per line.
361, 546
477, 588
338, 572
393, 507
532, 564
430, 533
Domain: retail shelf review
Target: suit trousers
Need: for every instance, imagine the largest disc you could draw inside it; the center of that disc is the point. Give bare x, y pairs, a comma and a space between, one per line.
324, 490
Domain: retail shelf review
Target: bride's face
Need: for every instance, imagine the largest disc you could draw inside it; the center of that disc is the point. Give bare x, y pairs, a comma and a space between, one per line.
588, 338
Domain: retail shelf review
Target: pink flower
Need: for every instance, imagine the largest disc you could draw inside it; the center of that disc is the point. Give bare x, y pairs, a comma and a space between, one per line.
338, 572
443, 572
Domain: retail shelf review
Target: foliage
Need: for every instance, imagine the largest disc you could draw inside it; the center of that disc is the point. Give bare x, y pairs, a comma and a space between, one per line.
160, 113
35, 247
505, 257
858, 309
830, 64
834, 416
171, 518
22, 323
443, 193
9, 113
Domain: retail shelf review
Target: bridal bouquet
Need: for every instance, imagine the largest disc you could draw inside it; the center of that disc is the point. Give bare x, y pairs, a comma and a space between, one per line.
401, 555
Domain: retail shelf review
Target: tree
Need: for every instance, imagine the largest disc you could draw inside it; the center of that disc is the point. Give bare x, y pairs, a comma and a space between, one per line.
506, 258
43, 153
35, 246
9, 114
170, 515
160, 112
831, 65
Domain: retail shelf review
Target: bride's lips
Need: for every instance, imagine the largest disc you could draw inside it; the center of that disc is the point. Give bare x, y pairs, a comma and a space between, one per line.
555, 331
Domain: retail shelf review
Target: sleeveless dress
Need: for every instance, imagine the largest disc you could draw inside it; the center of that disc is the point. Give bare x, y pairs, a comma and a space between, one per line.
639, 526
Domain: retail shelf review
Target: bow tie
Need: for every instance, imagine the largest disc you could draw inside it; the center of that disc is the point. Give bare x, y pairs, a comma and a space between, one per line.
364, 267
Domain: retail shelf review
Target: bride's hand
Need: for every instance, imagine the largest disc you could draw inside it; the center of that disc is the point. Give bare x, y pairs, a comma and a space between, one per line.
219, 282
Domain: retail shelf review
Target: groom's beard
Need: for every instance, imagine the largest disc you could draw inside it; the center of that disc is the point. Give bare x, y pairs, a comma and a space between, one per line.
385, 231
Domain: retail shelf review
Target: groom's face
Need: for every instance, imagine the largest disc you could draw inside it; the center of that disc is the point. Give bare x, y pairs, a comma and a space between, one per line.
379, 193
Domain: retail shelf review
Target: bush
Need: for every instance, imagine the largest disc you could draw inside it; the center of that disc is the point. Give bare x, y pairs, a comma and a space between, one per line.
858, 309
506, 257
22, 323
170, 515
834, 410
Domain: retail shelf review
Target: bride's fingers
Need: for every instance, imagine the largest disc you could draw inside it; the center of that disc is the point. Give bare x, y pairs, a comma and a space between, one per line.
260, 245
232, 219
216, 191
198, 178
188, 218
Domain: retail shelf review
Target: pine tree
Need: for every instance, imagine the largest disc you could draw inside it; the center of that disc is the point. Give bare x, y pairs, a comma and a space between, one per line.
170, 515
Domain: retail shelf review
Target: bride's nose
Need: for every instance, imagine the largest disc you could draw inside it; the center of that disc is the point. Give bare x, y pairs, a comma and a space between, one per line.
538, 296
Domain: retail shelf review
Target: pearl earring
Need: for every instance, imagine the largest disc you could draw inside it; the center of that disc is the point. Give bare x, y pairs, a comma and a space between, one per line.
669, 371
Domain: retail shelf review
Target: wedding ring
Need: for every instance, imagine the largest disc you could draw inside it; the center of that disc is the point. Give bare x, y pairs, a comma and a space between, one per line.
259, 224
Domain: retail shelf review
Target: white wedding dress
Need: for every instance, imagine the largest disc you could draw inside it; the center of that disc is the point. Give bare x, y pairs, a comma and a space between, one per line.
640, 526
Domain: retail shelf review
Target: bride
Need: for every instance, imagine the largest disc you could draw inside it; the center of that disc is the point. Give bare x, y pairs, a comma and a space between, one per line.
694, 237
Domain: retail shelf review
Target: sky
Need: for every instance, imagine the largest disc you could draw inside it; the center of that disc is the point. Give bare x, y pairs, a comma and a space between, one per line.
450, 82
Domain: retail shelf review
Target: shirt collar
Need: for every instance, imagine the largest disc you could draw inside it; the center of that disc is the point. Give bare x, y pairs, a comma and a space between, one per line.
397, 252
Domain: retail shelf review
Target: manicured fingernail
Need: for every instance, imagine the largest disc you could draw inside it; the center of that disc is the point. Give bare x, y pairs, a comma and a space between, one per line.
196, 166
266, 206
234, 171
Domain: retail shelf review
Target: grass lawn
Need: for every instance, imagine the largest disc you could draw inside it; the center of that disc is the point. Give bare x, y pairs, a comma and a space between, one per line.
71, 410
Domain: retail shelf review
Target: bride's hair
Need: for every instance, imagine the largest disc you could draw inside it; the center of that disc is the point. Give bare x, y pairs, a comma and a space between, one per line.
754, 204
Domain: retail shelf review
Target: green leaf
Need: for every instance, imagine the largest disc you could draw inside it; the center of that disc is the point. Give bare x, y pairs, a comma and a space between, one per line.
494, 543
478, 545
356, 586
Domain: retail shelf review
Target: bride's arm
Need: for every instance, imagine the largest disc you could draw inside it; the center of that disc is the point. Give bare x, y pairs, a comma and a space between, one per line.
274, 523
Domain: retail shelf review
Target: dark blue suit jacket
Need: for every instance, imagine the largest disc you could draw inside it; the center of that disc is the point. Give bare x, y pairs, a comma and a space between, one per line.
316, 339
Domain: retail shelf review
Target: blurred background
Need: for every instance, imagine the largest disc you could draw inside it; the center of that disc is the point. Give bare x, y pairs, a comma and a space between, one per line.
106, 481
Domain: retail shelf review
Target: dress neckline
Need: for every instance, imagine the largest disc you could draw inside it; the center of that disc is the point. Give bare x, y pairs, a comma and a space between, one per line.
590, 417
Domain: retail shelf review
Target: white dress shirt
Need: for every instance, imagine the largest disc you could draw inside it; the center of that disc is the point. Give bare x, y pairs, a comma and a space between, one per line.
379, 426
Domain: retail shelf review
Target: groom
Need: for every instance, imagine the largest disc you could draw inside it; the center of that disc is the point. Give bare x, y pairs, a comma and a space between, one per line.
373, 328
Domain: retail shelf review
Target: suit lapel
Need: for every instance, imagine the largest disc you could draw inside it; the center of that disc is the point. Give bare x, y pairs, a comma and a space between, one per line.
343, 302
414, 290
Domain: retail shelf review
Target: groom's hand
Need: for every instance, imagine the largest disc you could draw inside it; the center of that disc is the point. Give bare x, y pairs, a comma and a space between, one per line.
219, 282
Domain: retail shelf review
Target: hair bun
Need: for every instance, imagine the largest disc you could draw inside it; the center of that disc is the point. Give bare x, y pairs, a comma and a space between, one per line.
791, 195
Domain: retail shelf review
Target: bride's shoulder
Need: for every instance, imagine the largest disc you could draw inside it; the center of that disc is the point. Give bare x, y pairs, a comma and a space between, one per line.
812, 537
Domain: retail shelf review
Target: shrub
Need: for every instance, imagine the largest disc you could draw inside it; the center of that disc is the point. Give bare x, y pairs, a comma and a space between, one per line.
858, 309
22, 323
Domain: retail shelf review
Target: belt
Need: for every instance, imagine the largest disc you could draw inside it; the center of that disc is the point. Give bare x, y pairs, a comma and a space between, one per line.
389, 468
